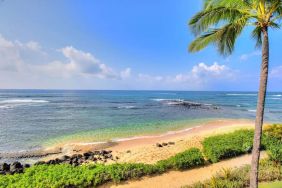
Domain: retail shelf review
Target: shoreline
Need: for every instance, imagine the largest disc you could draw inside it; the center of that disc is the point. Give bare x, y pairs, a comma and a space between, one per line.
144, 149
140, 148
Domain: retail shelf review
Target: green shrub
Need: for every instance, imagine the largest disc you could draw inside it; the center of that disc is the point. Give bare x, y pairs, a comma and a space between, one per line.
274, 130
190, 158
187, 159
228, 145
274, 148
273, 142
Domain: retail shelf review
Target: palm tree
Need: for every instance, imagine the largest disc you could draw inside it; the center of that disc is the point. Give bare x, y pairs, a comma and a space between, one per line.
220, 23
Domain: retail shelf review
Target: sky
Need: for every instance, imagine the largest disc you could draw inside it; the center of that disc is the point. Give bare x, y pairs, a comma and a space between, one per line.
121, 45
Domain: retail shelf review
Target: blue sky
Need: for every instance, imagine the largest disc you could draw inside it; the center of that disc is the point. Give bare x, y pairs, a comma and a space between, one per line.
121, 44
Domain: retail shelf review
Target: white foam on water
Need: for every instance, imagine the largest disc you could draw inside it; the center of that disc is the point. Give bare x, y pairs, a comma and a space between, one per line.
158, 100
241, 94
11, 103
127, 107
252, 110
5, 106
276, 95
14, 101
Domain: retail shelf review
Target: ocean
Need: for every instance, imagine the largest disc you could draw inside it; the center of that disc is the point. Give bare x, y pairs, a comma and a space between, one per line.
32, 119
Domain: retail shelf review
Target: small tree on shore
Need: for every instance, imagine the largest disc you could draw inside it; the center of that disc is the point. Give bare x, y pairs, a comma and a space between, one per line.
220, 23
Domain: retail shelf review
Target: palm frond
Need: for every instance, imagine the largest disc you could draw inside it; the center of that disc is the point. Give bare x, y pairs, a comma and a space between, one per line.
257, 36
243, 4
224, 38
221, 22
210, 17
274, 25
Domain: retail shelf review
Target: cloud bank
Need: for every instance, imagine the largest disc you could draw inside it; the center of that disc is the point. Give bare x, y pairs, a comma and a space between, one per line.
29, 65
200, 77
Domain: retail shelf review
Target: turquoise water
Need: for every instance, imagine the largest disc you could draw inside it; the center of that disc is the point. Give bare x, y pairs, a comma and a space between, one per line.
33, 118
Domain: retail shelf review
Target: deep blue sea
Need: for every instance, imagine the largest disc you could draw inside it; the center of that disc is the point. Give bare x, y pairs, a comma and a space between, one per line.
30, 119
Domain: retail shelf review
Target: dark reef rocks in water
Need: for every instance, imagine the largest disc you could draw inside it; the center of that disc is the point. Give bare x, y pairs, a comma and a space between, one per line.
188, 104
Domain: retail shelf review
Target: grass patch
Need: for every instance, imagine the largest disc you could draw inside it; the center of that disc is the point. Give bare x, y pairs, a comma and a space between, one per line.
239, 177
276, 184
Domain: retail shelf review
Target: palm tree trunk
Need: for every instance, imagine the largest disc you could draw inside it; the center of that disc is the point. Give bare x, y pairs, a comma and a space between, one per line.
260, 110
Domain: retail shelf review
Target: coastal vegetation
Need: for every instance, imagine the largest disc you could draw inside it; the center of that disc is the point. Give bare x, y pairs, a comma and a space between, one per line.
269, 171
240, 142
228, 145
220, 23
65, 175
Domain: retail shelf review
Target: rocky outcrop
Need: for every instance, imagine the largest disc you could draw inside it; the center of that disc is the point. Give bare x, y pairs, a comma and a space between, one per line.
164, 144
15, 167
101, 156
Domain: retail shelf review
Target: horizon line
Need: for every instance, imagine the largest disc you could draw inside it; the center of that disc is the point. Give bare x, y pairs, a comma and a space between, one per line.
255, 91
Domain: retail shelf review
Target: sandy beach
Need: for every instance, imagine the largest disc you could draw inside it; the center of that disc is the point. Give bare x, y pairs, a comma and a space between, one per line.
143, 149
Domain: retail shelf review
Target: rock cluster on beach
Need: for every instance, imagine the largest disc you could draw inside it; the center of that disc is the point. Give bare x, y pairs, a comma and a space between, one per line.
101, 156
164, 144
77, 159
15, 167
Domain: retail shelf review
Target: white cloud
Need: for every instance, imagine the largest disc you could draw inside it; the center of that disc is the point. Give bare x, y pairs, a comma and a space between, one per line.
276, 72
202, 69
125, 73
29, 65
200, 76
245, 57
82, 63
29, 59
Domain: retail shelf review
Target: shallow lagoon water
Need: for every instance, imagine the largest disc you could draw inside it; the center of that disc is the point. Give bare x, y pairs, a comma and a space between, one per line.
30, 119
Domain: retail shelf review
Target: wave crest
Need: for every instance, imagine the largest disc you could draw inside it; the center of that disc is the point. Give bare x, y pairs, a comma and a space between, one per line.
11, 103
14, 101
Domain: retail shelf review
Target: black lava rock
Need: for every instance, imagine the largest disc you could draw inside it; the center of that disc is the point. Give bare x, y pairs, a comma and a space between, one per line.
16, 167
164, 144
4, 167
159, 145
39, 163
